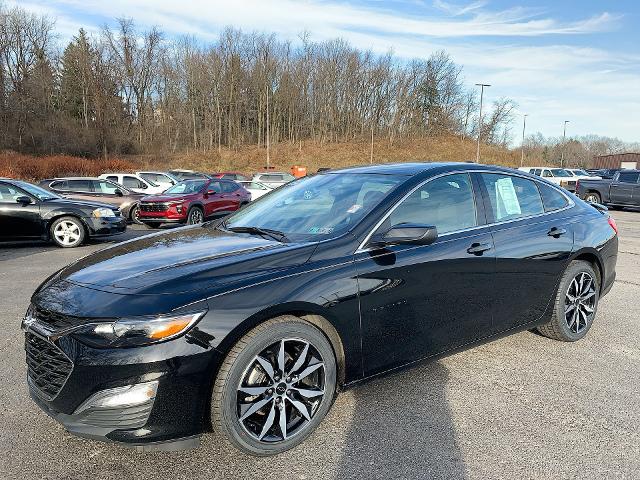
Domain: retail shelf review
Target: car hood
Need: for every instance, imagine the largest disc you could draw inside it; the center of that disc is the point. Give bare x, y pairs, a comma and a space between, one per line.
166, 198
183, 260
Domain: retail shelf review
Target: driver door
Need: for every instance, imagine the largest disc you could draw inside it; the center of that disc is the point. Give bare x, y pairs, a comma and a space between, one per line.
421, 300
18, 220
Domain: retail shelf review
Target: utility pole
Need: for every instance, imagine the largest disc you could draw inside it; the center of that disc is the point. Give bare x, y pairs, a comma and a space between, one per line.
481, 85
524, 126
564, 136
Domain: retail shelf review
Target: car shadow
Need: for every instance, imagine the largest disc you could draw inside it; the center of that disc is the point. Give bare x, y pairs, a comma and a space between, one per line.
402, 428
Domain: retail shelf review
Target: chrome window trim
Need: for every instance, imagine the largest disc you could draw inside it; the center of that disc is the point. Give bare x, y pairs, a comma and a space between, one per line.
570, 204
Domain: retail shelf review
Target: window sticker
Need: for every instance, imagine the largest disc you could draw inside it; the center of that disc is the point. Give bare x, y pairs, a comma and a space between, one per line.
507, 199
354, 208
321, 230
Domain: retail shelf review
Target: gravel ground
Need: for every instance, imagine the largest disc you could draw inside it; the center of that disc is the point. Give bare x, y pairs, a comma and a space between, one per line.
520, 407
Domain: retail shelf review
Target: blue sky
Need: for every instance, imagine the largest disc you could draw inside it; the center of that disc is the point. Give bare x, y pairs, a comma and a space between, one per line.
560, 60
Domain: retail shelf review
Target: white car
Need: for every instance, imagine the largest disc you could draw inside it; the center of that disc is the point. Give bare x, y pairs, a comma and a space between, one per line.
273, 179
559, 176
581, 174
134, 182
256, 189
164, 179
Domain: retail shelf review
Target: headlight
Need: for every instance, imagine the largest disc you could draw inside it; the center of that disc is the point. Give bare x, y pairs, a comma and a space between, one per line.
103, 213
136, 331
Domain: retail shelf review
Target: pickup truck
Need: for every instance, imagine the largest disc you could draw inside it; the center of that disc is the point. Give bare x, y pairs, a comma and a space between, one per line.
623, 190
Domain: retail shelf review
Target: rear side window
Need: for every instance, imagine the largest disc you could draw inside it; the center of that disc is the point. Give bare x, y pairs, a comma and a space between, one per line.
79, 185
446, 202
536, 172
552, 198
628, 177
113, 178
228, 187
512, 197
131, 182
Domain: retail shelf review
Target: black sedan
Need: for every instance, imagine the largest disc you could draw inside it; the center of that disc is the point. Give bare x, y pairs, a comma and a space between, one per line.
250, 325
28, 212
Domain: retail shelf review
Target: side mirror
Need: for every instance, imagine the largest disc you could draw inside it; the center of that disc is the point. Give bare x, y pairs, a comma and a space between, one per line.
144, 186
118, 192
24, 200
406, 233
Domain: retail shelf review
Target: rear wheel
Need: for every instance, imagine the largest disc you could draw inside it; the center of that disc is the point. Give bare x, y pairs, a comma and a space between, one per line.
576, 303
275, 387
67, 232
593, 197
195, 216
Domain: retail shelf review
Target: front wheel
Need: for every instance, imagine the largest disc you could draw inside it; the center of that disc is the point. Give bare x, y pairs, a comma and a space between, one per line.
576, 303
275, 386
195, 216
67, 232
134, 214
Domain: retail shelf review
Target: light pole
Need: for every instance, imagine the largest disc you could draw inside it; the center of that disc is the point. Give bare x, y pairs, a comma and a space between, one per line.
564, 136
524, 126
481, 85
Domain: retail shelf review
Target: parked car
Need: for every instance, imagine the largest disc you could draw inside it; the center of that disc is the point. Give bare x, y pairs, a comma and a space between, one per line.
88, 188
188, 174
581, 174
252, 324
164, 179
621, 191
256, 189
559, 176
235, 176
606, 173
193, 201
273, 179
28, 212
134, 182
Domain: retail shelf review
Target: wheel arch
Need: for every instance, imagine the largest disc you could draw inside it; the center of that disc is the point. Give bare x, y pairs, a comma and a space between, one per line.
591, 256
56, 215
309, 313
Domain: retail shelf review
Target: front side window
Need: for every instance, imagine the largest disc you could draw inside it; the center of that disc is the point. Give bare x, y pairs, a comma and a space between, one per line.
102, 186
9, 193
132, 182
39, 193
560, 172
445, 202
512, 197
113, 178
546, 174
319, 207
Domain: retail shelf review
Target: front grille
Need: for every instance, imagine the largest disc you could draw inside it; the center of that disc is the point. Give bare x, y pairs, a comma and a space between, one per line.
48, 366
154, 207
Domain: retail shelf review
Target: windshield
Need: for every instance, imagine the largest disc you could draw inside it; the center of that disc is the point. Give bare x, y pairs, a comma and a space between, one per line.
560, 172
39, 193
189, 186
318, 207
580, 172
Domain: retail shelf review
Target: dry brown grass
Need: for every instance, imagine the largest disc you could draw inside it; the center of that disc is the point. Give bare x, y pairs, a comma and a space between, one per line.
249, 159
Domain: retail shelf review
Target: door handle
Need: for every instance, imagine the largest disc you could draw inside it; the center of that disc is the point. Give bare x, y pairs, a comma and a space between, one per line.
556, 232
478, 248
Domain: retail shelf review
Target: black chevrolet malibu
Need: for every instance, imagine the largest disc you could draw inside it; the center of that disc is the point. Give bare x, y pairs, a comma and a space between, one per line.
250, 325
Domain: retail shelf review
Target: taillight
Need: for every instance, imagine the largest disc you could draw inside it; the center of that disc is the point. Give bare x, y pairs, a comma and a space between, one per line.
612, 222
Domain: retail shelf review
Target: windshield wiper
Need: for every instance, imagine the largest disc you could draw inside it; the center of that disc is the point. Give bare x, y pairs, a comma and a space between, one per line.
267, 232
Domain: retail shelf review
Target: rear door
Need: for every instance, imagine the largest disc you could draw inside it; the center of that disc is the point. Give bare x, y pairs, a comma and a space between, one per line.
533, 242
215, 203
622, 188
231, 194
421, 300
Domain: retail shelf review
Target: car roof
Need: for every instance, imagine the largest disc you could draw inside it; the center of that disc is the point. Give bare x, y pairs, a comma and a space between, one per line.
409, 168
71, 178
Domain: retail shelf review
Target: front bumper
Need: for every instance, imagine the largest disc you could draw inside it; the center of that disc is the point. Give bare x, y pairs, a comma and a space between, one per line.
105, 226
174, 419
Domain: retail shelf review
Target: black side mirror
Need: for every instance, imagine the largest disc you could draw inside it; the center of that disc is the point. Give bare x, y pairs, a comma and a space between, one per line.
24, 200
406, 233
118, 192
144, 186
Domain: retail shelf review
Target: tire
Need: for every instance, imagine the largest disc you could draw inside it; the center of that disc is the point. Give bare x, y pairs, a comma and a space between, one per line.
67, 232
572, 320
242, 369
134, 215
593, 197
195, 216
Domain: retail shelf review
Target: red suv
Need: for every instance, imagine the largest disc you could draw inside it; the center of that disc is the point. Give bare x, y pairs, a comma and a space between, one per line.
193, 201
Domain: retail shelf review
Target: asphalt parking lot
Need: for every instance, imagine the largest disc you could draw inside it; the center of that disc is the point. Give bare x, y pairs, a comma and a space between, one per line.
521, 407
